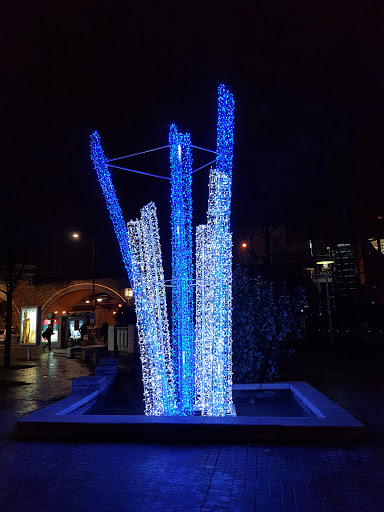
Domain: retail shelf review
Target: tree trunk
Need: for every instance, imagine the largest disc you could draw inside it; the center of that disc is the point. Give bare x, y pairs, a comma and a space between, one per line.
8, 325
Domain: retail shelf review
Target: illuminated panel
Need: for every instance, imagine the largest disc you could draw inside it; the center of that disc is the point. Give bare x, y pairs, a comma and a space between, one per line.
182, 268
104, 177
225, 125
213, 347
151, 309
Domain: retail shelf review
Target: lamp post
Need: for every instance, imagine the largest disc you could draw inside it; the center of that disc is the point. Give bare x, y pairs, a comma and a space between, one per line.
325, 267
76, 235
244, 249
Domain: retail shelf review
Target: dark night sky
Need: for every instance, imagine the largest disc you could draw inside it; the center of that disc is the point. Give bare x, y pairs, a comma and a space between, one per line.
307, 79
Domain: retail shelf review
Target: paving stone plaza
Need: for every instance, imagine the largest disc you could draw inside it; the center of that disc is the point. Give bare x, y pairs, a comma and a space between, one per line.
46, 476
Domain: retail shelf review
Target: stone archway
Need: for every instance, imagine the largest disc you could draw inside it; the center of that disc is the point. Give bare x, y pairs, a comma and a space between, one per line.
71, 300
80, 287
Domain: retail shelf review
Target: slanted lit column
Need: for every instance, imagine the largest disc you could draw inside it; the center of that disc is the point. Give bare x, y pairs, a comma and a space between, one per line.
101, 167
151, 311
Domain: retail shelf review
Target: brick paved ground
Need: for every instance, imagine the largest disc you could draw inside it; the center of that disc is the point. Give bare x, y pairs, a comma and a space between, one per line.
47, 476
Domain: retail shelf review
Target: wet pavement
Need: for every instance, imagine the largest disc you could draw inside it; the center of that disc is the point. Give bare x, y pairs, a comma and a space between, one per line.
46, 476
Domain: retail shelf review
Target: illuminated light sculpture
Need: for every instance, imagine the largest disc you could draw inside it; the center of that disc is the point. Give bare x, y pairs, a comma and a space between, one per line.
199, 375
213, 348
151, 310
182, 268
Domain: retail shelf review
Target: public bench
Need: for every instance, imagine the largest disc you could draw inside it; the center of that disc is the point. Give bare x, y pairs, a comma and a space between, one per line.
71, 351
91, 351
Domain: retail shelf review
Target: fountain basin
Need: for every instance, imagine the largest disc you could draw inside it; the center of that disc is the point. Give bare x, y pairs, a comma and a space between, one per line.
69, 419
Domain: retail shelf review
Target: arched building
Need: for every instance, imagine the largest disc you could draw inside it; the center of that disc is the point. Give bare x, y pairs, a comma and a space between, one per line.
69, 301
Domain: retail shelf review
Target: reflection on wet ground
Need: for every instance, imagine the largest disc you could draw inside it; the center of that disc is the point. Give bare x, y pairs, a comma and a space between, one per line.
333, 477
30, 385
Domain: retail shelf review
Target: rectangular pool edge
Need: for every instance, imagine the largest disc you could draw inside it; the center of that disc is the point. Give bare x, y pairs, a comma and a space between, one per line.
331, 422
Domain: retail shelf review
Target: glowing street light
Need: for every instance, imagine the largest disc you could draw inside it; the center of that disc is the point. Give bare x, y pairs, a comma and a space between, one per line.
76, 236
325, 264
244, 247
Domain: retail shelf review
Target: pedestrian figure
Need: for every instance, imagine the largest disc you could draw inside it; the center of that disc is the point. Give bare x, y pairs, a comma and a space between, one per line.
83, 331
47, 335
103, 332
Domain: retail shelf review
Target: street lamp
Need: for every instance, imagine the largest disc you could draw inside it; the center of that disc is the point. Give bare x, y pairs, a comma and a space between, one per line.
325, 267
244, 249
76, 236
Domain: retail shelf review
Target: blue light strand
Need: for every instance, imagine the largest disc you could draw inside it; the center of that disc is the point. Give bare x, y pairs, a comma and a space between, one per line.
225, 124
101, 167
182, 268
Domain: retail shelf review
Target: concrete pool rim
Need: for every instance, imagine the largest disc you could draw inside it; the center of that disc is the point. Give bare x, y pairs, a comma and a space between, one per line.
65, 420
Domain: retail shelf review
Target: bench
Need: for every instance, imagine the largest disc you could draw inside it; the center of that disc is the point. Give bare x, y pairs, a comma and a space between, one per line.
71, 351
88, 351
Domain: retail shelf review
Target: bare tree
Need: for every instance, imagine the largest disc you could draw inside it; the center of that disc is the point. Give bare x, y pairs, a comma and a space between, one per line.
265, 244
10, 274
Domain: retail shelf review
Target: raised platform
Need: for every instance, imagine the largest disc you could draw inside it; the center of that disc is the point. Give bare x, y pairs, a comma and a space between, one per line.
66, 420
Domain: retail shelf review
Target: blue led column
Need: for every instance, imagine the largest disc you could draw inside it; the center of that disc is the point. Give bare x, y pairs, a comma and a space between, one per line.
182, 268
104, 177
151, 310
225, 124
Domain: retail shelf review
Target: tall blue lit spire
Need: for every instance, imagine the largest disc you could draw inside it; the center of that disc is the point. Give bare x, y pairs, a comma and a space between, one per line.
225, 123
182, 267
104, 176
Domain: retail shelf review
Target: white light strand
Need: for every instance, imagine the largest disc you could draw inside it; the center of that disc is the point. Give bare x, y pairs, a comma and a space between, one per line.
213, 347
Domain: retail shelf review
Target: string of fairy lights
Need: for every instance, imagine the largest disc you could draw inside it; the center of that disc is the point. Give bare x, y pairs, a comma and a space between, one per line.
194, 372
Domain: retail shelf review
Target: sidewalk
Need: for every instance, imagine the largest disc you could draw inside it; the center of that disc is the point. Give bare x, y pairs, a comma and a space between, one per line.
30, 385
48, 476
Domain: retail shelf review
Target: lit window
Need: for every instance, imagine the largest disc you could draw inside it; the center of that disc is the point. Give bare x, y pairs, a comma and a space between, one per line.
128, 292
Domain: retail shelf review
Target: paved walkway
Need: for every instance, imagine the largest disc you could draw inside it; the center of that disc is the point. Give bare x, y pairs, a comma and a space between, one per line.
50, 476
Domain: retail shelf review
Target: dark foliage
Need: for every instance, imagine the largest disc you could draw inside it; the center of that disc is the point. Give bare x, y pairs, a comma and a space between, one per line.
267, 320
